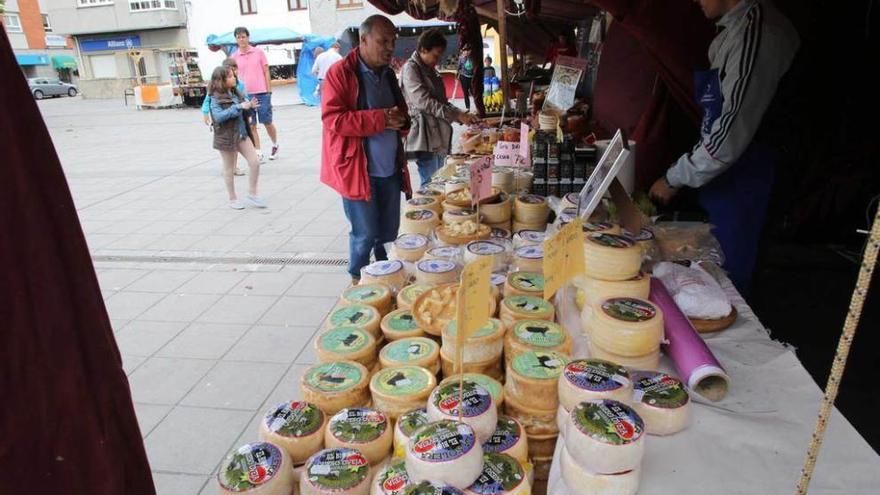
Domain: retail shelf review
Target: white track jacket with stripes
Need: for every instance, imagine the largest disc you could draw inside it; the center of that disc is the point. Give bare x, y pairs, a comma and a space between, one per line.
751, 53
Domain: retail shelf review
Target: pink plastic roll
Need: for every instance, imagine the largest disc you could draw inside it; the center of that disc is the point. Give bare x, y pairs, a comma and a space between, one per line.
694, 361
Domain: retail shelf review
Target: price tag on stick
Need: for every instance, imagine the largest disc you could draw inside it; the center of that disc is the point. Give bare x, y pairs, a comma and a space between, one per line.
563, 257
473, 310
481, 180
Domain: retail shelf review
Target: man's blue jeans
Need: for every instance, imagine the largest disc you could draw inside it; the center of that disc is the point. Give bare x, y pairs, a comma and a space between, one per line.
373, 223
428, 163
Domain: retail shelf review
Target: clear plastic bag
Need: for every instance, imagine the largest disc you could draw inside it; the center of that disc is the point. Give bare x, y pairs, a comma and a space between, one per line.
687, 241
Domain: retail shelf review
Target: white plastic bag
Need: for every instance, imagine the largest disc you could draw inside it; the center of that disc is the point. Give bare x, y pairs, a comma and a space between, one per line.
695, 291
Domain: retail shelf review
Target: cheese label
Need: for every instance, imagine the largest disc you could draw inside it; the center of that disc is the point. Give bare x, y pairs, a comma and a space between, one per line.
608, 421
573, 198
611, 240
659, 390
491, 327
334, 377
442, 441
410, 293
382, 268
539, 364
419, 215
411, 421
394, 479
428, 192
337, 469
444, 252
466, 212
528, 304
356, 315
365, 294
497, 233
294, 419
630, 310
527, 281
531, 252
437, 266
421, 201
474, 401
343, 340
402, 381
431, 488
501, 474
250, 466
412, 241
357, 425
539, 333
498, 279
597, 227
533, 199
568, 215
485, 248
407, 350
507, 434
596, 375
643, 235
535, 236
402, 321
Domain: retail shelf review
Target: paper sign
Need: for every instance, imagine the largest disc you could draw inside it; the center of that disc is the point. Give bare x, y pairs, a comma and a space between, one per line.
481, 179
505, 151
606, 170
563, 257
473, 298
524, 150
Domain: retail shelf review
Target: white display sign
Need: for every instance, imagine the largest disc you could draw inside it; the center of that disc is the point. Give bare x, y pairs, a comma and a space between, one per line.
505, 153
606, 170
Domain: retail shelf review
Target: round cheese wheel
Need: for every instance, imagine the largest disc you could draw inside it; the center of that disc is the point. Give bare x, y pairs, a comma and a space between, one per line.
408, 295
611, 257
423, 203
437, 271
356, 315
366, 430
260, 468
432, 488
638, 287
445, 451
486, 344
542, 446
605, 436
476, 250
499, 212
532, 377
392, 479
474, 406
437, 185
427, 192
405, 426
590, 379
535, 335
562, 419
341, 343
626, 326
455, 185
459, 216
579, 481
495, 388
492, 368
375, 295
508, 438
452, 253
297, 427
649, 361
390, 272
518, 308
502, 475
503, 178
335, 386
524, 284
531, 208
419, 222
411, 247
601, 228
529, 258
535, 227
400, 324
400, 389
536, 422
662, 401
336, 472
500, 230
529, 238
412, 351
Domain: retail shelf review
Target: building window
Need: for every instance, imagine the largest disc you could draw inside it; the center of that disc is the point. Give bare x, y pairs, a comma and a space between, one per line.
349, 4
248, 6
297, 4
12, 23
46, 25
93, 3
144, 5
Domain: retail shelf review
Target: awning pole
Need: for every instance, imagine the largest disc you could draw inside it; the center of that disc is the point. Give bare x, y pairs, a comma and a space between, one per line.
502, 33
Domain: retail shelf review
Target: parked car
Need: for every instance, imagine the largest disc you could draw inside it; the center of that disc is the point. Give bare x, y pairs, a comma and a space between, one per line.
42, 87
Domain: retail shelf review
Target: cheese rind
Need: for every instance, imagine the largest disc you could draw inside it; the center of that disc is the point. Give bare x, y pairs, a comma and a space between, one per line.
502, 475
392, 479
336, 385
338, 471
536, 422
486, 344
542, 446
531, 209
662, 401
626, 326
605, 436
356, 315
389, 272
408, 295
596, 290
590, 379
495, 388
473, 406
579, 481
411, 351
398, 389
493, 250
529, 258
375, 295
419, 222
295, 426
518, 308
535, 335
508, 438
532, 377
524, 283
260, 468
650, 361
411, 247
400, 324
611, 257
366, 430
437, 271
493, 368
444, 451
346, 343
423, 203
407, 424
526, 237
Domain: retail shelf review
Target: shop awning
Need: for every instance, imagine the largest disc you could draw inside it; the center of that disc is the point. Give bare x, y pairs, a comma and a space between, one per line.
32, 59
259, 36
63, 62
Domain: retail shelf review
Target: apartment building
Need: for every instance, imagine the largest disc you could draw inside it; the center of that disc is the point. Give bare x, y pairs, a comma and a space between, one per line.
39, 50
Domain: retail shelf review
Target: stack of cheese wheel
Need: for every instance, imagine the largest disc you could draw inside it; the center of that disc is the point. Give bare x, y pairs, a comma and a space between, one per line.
509, 438
591, 379
535, 335
423, 203
455, 185
366, 430
459, 216
407, 424
524, 284
482, 349
529, 258
499, 212
375, 295
411, 351
522, 181
408, 295
451, 206
495, 388
491, 249
400, 389
600, 228
518, 308
566, 216
346, 343
500, 230
390, 272
452, 253
400, 324
419, 222
570, 200
256, 468
530, 212
645, 240
604, 445
445, 451
598, 290
662, 402
528, 238
297, 427
391, 479
626, 331
467, 401
357, 315
611, 257
504, 178
411, 247
339, 471
335, 386
502, 475
437, 271
428, 192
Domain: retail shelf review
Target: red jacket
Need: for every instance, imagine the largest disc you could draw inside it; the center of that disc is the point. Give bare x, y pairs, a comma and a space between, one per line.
343, 159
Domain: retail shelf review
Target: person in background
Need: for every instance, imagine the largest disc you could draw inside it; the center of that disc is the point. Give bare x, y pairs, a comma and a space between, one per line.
430, 136
230, 134
488, 70
362, 155
562, 46
254, 70
323, 62
465, 76
731, 166
206, 104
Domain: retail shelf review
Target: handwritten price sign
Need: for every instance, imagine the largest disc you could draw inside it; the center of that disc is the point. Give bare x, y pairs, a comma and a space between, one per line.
481, 179
473, 298
563, 257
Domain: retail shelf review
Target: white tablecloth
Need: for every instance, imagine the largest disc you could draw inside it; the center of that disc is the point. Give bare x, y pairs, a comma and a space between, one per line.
754, 441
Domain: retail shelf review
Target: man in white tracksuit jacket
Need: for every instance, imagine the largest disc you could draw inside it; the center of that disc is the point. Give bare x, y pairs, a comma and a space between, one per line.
733, 169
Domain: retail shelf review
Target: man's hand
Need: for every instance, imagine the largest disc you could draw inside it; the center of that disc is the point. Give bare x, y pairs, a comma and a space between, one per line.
395, 119
207, 118
466, 118
662, 191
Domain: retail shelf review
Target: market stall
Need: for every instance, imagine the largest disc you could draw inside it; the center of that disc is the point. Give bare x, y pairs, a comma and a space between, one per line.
186, 77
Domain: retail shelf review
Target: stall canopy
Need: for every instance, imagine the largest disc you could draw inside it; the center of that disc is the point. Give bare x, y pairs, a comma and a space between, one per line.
32, 59
63, 62
305, 80
259, 36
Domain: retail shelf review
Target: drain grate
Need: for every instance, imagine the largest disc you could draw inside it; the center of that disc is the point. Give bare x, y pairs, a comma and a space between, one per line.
311, 259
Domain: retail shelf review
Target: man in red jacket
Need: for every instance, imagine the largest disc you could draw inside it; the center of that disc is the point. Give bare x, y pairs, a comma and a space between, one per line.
365, 118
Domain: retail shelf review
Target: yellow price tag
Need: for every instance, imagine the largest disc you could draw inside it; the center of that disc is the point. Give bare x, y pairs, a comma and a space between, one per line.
563, 257
473, 298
